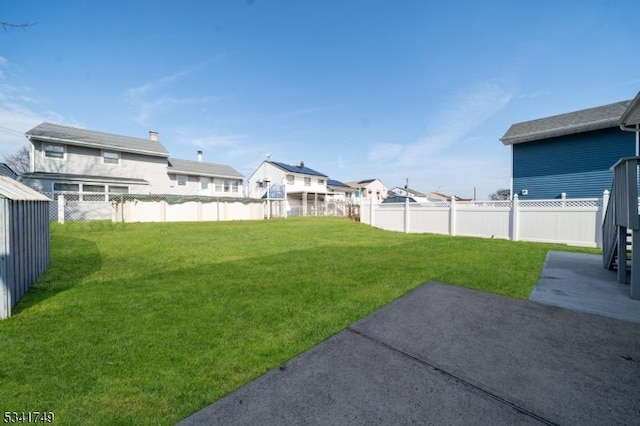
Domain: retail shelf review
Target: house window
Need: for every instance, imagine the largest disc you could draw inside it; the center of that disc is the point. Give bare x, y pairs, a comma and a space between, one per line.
291, 179
182, 180
110, 157
67, 187
219, 184
227, 186
320, 181
96, 192
235, 186
307, 181
118, 189
204, 183
54, 151
93, 188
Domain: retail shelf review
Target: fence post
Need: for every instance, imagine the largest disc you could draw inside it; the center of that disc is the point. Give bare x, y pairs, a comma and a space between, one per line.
61, 209
406, 215
515, 204
605, 203
452, 216
370, 211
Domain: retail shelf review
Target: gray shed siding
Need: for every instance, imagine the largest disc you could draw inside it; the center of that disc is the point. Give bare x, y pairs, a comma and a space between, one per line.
577, 164
24, 242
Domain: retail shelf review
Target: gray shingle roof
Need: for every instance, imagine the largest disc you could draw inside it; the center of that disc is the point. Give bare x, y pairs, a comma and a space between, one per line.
201, 168
597, 118
82, 137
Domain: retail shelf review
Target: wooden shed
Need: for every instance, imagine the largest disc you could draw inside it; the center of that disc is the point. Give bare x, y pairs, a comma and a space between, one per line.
24, 241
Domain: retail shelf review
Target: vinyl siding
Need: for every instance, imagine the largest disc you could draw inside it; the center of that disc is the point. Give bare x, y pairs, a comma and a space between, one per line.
193, 187
577, 165
88, 161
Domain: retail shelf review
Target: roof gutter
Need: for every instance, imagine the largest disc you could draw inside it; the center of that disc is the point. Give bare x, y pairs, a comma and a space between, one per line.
634, 107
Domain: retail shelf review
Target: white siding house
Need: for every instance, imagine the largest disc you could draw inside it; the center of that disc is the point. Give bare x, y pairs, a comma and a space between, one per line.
303, 189
369, 189
68, 159
201, 178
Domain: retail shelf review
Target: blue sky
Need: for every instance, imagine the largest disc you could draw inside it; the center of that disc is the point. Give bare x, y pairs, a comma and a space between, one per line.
356, 89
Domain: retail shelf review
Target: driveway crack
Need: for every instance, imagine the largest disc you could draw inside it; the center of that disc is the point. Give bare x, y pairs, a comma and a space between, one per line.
458, 379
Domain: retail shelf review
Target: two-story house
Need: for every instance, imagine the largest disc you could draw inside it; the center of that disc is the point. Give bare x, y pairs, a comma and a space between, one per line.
568, 155
69, 159
370, 189
303, 189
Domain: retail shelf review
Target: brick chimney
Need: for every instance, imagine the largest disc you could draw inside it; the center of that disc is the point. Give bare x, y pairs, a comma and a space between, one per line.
153, 135
200, 156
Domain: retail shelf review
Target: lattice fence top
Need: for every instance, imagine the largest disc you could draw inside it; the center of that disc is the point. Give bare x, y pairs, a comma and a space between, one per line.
558, 204
506, 204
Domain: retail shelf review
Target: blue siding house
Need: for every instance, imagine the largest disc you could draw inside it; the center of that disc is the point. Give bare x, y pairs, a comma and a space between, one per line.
568, 154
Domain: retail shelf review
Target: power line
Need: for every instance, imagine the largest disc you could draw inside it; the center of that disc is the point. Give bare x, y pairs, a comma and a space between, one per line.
17, 132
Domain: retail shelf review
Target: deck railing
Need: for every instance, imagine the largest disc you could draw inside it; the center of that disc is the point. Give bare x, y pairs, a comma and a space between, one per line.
622, 215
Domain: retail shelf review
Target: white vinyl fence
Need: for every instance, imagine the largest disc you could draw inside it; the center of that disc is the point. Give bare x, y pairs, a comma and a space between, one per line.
151, 207
164, 208
576, 222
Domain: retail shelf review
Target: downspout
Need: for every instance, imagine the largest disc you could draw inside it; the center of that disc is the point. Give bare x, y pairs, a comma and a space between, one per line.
511, 174
633, 129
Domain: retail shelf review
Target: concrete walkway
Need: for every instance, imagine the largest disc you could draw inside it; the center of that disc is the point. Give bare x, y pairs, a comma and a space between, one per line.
446, 355
578, 281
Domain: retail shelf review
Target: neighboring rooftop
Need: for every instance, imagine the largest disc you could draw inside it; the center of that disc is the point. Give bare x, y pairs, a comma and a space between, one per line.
6, 170
337, 184
201, 168
597, 118
71, 135
14, 190
301, 168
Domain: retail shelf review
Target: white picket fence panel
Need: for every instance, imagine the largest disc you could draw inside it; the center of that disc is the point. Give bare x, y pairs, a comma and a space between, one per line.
575, 222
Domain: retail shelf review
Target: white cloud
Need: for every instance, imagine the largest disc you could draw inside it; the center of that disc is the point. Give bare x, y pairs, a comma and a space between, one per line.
456, 120
16, 119
134, 93
383, 152
19, 112
150, 98
149, 108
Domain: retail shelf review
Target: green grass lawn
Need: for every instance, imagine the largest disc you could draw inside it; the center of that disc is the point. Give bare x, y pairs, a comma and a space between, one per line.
147, 323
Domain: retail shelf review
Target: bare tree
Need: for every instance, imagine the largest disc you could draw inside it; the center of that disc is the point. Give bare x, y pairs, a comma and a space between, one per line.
7, 25
19, 161
501, 194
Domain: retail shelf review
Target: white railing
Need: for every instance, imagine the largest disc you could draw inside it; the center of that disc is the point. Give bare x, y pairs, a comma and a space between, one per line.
621, 217
574, 222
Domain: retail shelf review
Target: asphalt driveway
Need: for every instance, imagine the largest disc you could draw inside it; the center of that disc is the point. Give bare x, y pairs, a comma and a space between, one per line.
448, 355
